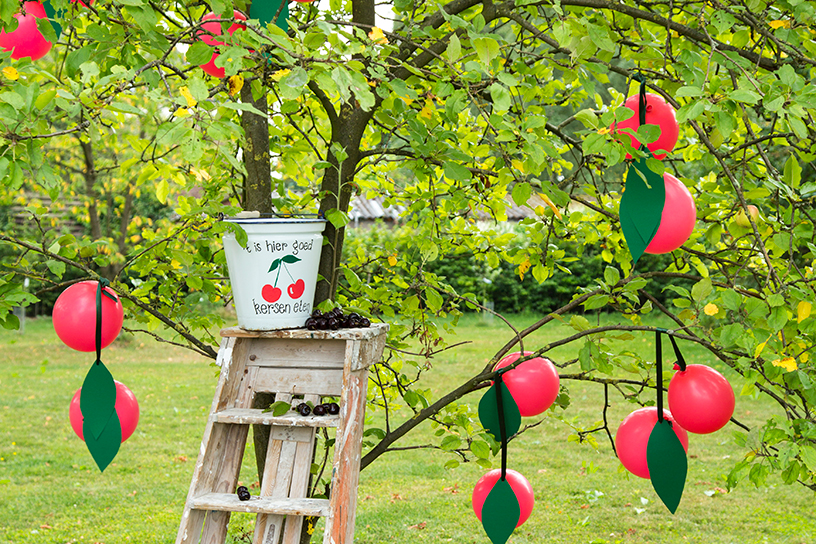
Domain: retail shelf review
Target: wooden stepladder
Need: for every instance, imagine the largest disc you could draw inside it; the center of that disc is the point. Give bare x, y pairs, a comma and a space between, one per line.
291, 364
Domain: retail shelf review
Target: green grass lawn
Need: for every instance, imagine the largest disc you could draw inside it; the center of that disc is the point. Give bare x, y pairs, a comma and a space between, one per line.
51, 492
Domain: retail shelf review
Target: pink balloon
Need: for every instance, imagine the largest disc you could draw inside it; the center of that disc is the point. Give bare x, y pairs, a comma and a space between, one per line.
518, 483
678, 219
215, 28
127, 408
658, 112
533, 384
633, 437
74, 316
26, 40
701, 399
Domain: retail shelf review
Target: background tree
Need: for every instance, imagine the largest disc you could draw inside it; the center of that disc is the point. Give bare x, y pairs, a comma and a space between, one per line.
457, 109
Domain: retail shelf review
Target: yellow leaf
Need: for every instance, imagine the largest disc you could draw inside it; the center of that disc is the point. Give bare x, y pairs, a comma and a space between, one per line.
711, 309
277, 76
235, 84
788, 363
11, 73
182, 112
376, 35
524, 267
804, 357
779, 24
550, 203
392, 259
759, 348
803, 311
427, 110
185, 92
603, 130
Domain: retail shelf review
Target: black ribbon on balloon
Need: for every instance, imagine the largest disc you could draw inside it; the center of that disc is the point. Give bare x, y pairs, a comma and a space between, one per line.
665, 455
101, 428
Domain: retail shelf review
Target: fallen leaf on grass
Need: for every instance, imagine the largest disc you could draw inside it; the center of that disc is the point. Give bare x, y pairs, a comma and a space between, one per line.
45, 527
419, 526
396, 497
454, 489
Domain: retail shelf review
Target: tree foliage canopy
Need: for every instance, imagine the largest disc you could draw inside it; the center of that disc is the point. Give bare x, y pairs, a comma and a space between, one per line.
456, 112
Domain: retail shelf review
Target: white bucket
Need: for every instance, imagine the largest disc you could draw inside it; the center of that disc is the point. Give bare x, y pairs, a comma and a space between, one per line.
273, 278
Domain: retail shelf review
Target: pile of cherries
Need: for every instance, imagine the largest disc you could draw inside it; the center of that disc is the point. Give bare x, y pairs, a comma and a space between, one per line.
335, 319
243, 493
331, 408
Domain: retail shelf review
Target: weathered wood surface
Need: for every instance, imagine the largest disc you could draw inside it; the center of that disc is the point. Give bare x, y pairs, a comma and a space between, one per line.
252, 416
287, 363
375, 330
229, 502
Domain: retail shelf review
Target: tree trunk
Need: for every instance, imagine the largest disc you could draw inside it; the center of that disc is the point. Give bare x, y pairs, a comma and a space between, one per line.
258, 186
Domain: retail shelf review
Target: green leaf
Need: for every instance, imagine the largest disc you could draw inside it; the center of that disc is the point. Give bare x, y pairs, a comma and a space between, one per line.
641, 207
162, 190
480, 449
486, 48
667, 464
97, 399
199, 53
489, 412
793, 172
521, 193
290, 259
337, 218
500, 512
275, 264
454, 50
104, 447
701, 289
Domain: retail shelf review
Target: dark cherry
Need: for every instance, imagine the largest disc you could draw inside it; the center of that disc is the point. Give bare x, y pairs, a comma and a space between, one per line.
243, 493
320, 410
364, 322
333, 408
304, 409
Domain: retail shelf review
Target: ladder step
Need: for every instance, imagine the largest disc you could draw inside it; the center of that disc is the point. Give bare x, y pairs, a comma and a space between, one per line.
253, 416
229, 502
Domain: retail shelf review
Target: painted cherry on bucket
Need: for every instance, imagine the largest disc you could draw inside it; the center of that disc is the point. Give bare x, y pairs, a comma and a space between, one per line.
701, 399
296, 289
271, 294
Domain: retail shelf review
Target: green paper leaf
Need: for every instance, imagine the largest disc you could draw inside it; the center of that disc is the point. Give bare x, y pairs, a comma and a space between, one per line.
290, 259
52, 14
489, 412
641, 207
667, 464
265, 10
97, 400
275, 264
104, 447
500, 512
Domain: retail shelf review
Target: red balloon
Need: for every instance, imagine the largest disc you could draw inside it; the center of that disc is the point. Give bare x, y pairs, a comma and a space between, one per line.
658, 112
701, 399
127, 408
74, 316
679, 216
518, 483
215, 28
633, 437
26, 40
533, 384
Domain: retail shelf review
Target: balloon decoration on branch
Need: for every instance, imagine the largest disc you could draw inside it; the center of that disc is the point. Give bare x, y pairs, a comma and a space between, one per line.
503, 499
656, 215
652, 442
27, 40
108, 411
